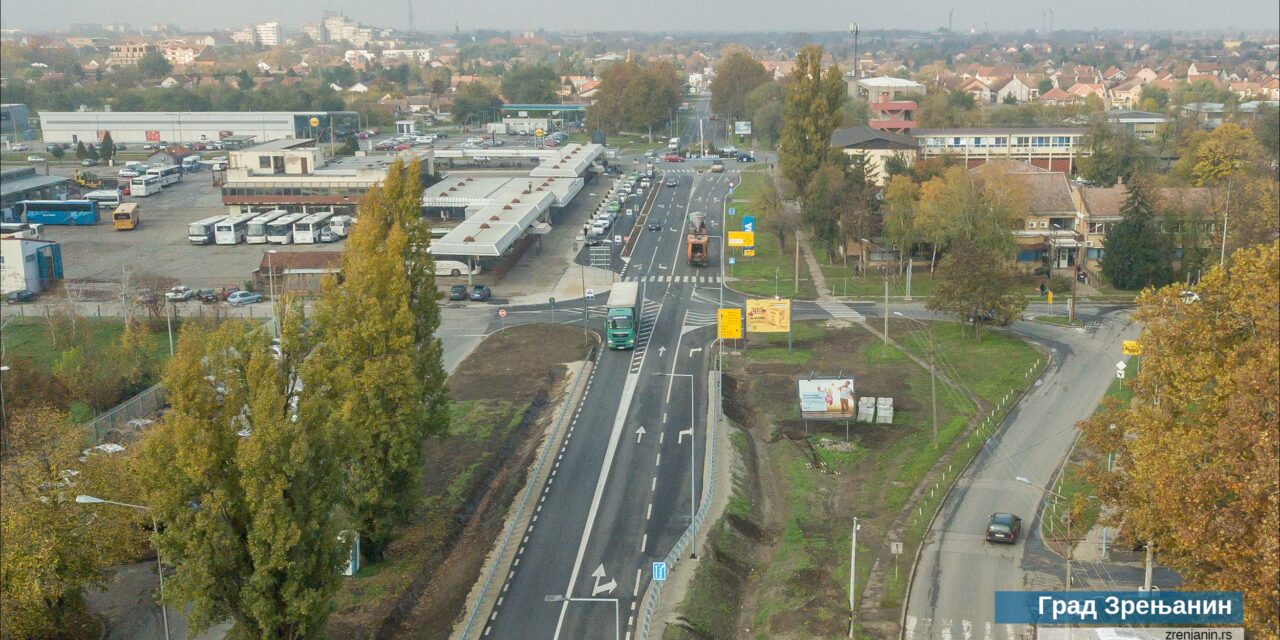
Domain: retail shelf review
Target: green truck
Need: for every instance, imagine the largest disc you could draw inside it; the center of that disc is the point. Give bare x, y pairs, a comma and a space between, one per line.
623, 317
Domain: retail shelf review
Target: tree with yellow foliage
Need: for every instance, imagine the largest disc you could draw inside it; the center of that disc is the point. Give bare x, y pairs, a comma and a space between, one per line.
1196, 468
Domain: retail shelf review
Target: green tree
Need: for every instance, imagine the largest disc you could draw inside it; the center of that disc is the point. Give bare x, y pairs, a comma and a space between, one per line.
1195, 469
52, 548
1266, 129
534, 84
1045, 86
58, 152
244, 474
1112, 155
475, 99
901, 197
81, 151
348, 148
381, 357
153, 65
1137, 250
810, 114
244, 81
822, 206
737, 75
768, 207
91, 151
1158, 96
636, 97
1225, 153
107, 150
976, 283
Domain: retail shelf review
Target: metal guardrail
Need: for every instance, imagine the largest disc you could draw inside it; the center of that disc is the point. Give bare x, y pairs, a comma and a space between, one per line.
530, 486
653, 594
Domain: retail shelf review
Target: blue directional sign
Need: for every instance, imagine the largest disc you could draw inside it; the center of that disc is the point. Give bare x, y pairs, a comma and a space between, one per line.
749, 223
733, 211
659, 571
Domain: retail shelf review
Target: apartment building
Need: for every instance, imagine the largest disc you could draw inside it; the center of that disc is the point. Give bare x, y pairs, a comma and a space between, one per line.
268, 34
1051, 148
128, 53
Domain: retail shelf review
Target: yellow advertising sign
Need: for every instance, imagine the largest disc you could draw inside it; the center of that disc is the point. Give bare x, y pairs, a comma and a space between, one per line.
730, 327
1131, 348
748, 253
742, 239
539, 132
768, 316
1050, 297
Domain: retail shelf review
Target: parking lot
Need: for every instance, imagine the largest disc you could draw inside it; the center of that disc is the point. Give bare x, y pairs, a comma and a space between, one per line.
157, 252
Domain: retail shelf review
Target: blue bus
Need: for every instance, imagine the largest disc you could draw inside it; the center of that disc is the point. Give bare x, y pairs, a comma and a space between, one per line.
66, 212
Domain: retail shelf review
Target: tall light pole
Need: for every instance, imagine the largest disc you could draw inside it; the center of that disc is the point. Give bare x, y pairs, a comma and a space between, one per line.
271, 289
853, 566
693, 451
617, 617
1064, 499
886, 289
853, 28
164, 611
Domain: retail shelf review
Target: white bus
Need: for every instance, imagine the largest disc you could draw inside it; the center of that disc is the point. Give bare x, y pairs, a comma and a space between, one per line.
143, 186
106, 198
307, 230
280, 230
673, 144
171, 174
201, 231
341, 225
232, 230
257, 233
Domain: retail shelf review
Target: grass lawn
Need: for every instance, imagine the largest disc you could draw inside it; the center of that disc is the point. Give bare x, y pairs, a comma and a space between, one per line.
773, 267
817, 480
844, 282
30, 340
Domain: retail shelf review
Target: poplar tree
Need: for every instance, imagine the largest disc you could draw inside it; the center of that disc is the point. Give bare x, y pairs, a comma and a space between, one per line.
244, 477
811, 112
380, 360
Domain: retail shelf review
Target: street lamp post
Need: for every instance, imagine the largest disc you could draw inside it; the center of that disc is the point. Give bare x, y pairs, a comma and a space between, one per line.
1064, 499
617, 617
853, 566
164, 611
271, 290
886, 290
693, 449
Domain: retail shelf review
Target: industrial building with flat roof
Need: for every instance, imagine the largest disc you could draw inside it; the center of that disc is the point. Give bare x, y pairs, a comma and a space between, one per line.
23, 183
141, 127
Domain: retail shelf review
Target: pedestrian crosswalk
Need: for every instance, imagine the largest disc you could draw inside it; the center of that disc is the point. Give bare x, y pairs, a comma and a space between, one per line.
674, 279
949, 629
686, 171
840, 311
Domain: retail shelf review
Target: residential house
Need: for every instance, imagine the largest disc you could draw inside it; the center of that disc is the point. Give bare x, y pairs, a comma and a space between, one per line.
1126, 95
1140, 124
1210, 115
1013, 87
1144, 74
358, 87
1056, 96
1050, 227
980, 90
128, 53
1246, 90
1100, 210
877, 146
171, 155
1114, 75
1090, 89
1204, 69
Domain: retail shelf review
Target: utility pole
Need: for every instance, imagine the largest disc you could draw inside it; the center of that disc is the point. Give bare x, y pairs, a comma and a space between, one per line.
1070, 548
853, 28
796, 285
933, 393
1146, 580
853, 565
1222, 259
1075, 277
886, 312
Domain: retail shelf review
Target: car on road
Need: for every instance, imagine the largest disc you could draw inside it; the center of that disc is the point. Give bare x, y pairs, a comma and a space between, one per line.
746, 157
481, 293
19, 147
1004, 527
655, 226
717, 166
179, 293
458, 292
243, 297
650, 153
128, 173
207, 295
35, 159
20, 296
1189, 297
88, 162
120, 146
671, 157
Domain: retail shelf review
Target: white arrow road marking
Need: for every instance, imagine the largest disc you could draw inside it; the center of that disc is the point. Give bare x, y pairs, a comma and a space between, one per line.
1012, 630
680, 436
987, 631
607, 587
639, 434
661, 351
946, 629
694, 350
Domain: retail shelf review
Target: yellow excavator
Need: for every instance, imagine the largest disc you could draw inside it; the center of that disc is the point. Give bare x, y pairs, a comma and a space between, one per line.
87, 180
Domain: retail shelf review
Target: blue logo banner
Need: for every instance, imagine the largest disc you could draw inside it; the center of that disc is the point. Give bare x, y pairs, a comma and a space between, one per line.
1119, 607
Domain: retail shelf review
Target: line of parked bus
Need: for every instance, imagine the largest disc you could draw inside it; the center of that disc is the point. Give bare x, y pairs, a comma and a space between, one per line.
276, 227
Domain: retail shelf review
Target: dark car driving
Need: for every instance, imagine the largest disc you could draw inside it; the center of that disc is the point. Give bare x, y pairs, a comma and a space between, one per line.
480, 293
20, 296
458, 292
655, 226
1004, 527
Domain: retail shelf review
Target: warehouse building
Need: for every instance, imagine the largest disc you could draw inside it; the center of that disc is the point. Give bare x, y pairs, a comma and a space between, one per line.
23, 183
141, 127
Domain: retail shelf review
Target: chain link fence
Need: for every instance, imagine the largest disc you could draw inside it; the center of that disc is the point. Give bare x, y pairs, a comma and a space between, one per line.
123, 421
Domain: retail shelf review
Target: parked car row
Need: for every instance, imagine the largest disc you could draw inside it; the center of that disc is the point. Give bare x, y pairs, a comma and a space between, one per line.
233, 296
477, 293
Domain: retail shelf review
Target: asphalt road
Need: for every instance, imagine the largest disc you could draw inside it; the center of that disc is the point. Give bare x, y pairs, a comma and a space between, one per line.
619, 499
953, 595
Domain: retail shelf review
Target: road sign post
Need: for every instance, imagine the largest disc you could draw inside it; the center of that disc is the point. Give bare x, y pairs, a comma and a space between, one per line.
502, 318
659, 572
553, 309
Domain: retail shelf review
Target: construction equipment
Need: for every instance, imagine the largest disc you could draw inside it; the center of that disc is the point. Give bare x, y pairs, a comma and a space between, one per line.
87, 180
697, 243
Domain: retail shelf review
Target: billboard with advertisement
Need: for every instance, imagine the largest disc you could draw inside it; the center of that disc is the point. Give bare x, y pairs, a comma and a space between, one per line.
828, 399
742, 128
153, 135
768, 316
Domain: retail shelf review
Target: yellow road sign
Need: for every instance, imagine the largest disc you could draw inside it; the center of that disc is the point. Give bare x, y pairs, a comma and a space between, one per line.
1131, 348
315, 122
730, 326
768, 316
538, 132
1050, 297
749, 253
742, 239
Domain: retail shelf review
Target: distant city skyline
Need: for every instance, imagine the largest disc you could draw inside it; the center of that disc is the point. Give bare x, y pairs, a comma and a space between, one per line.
669, 15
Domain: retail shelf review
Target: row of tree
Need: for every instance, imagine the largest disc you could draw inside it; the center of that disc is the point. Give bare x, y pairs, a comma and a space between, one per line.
636, 97
269, 452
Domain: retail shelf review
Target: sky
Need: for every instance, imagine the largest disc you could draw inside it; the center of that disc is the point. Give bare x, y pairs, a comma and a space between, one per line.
662, 15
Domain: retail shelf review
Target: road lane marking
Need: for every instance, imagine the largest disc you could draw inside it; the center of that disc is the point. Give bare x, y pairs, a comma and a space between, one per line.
653, 486
644, 542
636, 590
658, 461
649, 511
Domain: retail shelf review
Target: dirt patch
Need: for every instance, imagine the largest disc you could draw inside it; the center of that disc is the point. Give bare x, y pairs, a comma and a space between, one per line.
503, 395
